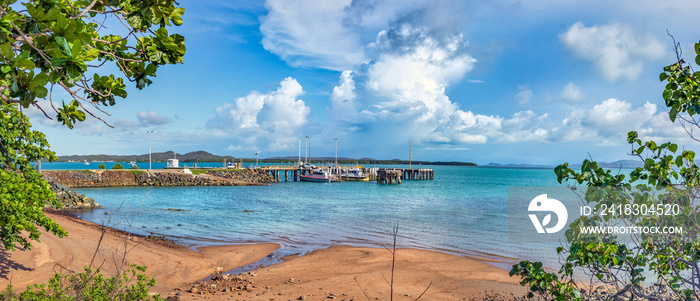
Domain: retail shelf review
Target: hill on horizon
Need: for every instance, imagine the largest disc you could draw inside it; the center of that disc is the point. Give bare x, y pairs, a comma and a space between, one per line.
203, 156
196, 156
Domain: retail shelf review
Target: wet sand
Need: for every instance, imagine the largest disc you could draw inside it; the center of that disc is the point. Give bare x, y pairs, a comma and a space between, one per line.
340, 272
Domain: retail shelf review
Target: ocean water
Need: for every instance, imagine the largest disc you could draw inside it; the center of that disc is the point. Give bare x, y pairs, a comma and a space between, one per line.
462, 211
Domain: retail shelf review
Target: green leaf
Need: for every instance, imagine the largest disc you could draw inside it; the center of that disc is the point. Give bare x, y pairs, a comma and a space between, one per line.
41, 92
679, 161
673, 147
64, 46
58, 62
41, 80
26, 64
673, 113
80, 115
176, 20
77, 48
90, 54
663, 76
6, 50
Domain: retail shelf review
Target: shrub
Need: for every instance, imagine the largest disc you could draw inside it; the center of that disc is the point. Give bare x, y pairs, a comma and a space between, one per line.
102, 166
132, 284
118, 166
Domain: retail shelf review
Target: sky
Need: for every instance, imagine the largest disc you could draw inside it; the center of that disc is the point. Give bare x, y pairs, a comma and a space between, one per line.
505, 81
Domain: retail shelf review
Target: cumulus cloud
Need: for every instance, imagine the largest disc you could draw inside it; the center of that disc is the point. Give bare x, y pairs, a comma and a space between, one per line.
572, 92
615, 49
270, 120
311, 33
151, 118
610, 120
412, 70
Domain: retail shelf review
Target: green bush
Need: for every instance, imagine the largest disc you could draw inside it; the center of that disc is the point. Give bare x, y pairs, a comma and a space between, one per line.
118, 166
133, 284
102, 166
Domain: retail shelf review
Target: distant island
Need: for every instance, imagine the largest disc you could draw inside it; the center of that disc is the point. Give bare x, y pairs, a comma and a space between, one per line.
623, 164
198, 156
202, 156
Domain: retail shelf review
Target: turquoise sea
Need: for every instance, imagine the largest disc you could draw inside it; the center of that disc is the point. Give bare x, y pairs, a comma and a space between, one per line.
462, 211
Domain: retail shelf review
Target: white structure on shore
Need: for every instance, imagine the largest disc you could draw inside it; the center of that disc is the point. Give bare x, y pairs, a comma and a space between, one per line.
173, 163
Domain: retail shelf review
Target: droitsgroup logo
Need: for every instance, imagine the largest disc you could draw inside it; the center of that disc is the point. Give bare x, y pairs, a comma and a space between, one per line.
543, 204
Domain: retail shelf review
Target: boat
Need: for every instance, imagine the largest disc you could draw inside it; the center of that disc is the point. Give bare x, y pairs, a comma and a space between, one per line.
317, 176
354, 174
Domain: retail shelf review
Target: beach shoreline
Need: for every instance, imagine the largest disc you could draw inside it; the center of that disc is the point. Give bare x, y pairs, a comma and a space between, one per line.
177, 269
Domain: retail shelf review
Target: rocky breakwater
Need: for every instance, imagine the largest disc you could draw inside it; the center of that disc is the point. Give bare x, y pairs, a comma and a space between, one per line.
90, 178
245, 175
131, 178
179, 179
70, 199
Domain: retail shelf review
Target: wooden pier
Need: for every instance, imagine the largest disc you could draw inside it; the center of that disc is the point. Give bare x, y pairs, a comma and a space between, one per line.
417, 174
389, 176
381, 175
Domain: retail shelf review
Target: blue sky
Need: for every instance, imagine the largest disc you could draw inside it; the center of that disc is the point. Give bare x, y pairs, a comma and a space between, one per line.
541, 82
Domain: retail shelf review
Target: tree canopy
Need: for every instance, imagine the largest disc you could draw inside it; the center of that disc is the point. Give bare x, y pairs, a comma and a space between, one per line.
668, 180
48, 46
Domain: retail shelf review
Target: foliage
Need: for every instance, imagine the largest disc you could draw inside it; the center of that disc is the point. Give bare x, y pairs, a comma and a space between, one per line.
542, 282
55, 44
48, 45
132, 284
23, 190
118, 166
134, 167
102, 166
669, 177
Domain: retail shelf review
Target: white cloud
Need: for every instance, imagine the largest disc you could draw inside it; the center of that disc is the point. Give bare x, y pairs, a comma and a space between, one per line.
412, 71
151, 118
572, 92
610, 121
311, 33
270, 121
614, 49
523, 96
344, 105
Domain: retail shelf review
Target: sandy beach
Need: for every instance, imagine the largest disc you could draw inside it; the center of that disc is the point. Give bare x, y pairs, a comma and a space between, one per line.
338, 272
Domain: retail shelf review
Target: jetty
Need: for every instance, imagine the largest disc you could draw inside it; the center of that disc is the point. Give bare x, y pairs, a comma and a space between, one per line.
380, 175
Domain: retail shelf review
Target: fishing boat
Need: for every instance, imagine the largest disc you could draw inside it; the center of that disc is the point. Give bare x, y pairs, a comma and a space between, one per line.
317, 176
354, 174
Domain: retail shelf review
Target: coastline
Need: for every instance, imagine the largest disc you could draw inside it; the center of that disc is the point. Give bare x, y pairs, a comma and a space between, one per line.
331, 270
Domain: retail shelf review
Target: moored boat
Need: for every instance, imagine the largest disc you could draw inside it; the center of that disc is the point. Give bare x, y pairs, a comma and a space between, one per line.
354, 174
316, 176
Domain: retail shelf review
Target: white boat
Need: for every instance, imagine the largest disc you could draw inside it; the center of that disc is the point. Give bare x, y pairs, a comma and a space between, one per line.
354, 174
317, 176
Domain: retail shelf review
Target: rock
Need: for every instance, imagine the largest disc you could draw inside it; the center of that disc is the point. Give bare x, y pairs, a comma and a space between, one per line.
302, 297
173, 298
194, 290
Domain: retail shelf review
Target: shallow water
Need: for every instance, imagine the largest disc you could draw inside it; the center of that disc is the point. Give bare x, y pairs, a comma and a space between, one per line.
462, 211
